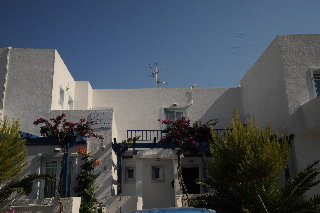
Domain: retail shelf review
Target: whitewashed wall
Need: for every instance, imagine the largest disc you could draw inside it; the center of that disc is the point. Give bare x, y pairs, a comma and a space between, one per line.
32, 91
299, 54
61, 79
263, 90
29, 81
306, 127
278, 91
83, 95
141, 108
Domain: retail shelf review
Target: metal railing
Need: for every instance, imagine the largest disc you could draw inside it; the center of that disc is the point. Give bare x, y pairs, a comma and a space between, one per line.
147, 135
221, 132
156, 135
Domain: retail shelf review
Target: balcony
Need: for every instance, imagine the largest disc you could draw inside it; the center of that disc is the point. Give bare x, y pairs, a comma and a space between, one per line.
155, 135
147, 135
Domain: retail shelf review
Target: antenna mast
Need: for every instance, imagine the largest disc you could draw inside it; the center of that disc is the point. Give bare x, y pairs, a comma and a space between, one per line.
155, 70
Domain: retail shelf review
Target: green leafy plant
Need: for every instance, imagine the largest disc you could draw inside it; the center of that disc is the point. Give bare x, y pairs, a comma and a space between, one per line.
13, 161
247, 153
86, 182
245, 170
12, 151
21, 186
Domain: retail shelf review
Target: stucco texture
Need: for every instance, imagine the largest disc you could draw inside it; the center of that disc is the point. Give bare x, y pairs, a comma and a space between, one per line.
138, 109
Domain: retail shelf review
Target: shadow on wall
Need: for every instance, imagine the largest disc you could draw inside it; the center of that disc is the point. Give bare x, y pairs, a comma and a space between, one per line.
34, 163
223, 106
118, 204
104, 172
304, 123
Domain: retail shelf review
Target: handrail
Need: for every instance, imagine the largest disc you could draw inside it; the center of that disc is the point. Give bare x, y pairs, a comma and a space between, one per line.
156, 135
146, 135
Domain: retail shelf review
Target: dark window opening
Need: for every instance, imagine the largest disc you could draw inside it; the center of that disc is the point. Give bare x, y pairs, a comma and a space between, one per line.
157, 173
130, 173
190, 175
316, 79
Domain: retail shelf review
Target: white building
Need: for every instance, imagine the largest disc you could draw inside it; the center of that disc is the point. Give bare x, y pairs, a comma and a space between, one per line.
281, 89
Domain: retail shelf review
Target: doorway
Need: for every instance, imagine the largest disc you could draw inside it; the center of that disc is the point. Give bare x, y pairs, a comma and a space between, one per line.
190, 175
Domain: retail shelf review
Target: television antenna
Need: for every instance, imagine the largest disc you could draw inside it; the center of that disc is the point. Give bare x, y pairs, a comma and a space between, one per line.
155, 71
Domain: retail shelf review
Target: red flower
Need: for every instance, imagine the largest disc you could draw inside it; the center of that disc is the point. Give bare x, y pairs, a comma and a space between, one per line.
97, 162
83, 151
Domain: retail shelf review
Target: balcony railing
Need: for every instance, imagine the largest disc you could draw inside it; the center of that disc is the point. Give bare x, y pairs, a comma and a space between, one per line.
221, 132
146, 135
156, 135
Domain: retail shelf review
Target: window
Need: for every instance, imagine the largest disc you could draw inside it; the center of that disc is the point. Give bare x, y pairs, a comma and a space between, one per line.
316, 81
51, 167
70, 103
157, 173
61, 98
130, 174
174, 114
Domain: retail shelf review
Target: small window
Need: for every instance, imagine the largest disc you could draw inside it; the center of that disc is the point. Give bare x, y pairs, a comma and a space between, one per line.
157, 173
130, 175
174, 114
61, 98
70, 103
316, 81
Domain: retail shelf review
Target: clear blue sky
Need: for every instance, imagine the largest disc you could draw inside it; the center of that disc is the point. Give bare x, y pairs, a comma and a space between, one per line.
110, 43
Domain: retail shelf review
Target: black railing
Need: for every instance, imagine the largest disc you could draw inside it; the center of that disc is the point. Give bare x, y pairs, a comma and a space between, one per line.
147, 135
156, 135
221, 132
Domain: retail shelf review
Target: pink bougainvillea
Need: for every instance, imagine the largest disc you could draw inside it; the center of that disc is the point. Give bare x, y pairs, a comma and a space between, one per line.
63, 131
186, 136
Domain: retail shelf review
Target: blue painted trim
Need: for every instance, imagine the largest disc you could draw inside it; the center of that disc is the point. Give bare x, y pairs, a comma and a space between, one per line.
28, 135
118, 147
40, 141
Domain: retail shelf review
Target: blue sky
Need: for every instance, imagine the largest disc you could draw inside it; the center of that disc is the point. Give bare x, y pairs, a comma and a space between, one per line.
111, 42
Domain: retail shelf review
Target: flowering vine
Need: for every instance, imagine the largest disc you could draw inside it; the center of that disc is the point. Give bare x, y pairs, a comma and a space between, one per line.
63, 131
86, 182
65, 134
186, 137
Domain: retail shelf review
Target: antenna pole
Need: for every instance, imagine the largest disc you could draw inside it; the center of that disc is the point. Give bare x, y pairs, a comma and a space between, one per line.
157, 78
155, 74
